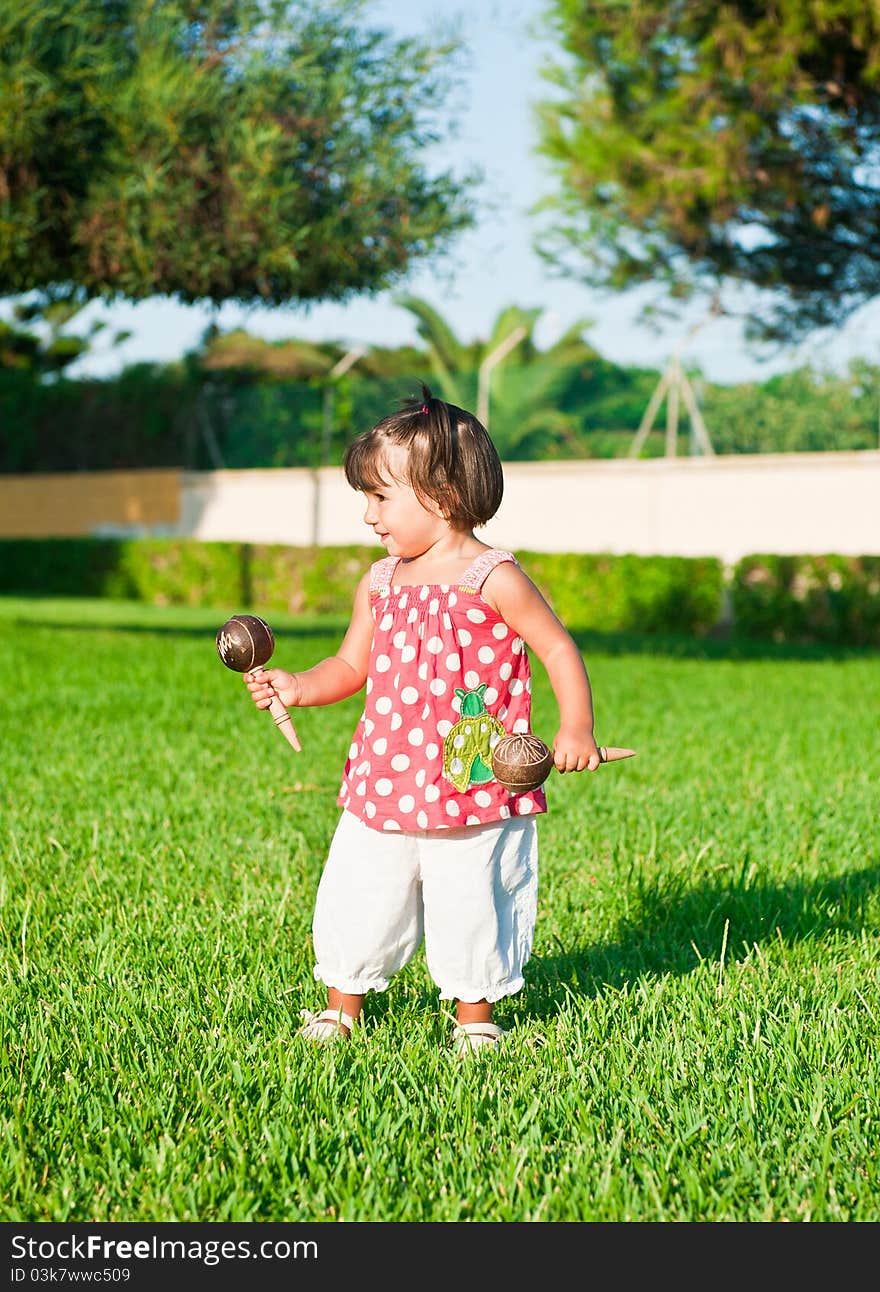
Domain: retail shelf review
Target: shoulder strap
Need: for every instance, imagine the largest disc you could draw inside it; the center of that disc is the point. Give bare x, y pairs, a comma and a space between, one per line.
381, 573
482, 566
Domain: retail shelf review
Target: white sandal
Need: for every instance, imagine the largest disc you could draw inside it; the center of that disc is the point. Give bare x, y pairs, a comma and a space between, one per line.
326, 1026
471, 1037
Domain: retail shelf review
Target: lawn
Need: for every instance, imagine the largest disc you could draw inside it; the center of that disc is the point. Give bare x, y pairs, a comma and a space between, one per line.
698, 1035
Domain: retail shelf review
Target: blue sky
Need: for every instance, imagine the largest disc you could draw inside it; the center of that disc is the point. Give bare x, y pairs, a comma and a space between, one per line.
495, 265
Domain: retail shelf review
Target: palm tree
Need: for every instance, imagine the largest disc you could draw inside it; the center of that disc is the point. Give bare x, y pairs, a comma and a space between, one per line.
528, 386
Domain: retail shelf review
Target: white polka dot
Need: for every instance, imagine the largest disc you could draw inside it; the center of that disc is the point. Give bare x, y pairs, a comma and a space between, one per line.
521, 724
415, 736
459, 740
408, 653
485, 654
437, 686
434, 645
353, 751
490, 695
399, 639
426, 712
370, 809
504, 811
361, 789
494, 738
453, 662
406, 803
505, 670
422, 820
524, 805
421, 777
396, 721
390, 825
409, 695
451, 808
476, 615
431, 751
369, 724
444, 726
400, 762
452, 599
380, 745
516, 645
386, 622
515, 685
369, 685
412, 616
383, 704
499, 631
384, 786
464, 637
395, 681
432, 793
383, 663
472, 820
455, 765
363, 769
502, 713
471, 679
433, 606
423, 594
483, 798
422, 671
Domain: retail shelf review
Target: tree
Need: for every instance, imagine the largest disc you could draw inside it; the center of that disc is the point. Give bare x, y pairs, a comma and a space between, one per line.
699, 144
213, 150
531, 415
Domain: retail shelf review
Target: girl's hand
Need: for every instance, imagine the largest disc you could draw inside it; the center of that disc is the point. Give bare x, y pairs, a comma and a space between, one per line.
270, 682
575, 750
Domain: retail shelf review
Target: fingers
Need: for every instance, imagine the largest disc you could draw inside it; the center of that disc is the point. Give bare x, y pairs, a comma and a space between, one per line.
576, 762
261, 689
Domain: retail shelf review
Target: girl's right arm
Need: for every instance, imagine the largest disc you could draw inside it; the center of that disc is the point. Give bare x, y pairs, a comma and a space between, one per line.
331, 679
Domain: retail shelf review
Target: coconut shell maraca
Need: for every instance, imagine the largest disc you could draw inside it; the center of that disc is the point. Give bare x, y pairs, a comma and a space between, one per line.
245, 643
522, 762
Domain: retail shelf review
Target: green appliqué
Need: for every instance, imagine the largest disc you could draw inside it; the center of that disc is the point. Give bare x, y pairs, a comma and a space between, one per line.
467, 749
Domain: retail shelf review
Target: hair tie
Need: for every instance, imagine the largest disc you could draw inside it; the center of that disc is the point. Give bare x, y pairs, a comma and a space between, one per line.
425, 409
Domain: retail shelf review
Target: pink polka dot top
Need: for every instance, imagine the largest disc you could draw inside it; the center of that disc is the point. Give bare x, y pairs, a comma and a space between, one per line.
447, 679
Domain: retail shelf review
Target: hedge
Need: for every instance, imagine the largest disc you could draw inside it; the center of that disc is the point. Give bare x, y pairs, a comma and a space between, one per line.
829, 600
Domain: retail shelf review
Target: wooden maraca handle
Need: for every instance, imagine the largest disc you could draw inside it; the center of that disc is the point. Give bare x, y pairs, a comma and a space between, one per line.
280, 716
611, 753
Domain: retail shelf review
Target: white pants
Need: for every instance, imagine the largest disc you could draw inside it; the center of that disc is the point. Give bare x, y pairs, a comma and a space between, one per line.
470, 893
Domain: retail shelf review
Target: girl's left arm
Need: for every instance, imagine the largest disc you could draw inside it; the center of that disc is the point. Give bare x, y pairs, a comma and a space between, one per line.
524, 609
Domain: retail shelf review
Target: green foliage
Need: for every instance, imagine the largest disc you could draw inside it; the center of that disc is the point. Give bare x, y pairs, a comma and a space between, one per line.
249, 150
803, 411
642, 594
830, 600
701, 143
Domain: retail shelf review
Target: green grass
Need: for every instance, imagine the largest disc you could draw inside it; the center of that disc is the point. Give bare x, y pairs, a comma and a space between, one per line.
698, 1034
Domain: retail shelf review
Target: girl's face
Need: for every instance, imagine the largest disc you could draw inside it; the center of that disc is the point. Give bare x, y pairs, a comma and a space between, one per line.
399, 520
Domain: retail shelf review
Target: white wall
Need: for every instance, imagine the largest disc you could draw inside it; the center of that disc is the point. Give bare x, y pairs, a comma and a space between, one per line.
723, 506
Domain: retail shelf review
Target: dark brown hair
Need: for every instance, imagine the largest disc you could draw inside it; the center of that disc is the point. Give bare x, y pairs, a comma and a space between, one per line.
452, 464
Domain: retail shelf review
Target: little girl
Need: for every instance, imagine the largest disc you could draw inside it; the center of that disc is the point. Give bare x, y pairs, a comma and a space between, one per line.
429, 846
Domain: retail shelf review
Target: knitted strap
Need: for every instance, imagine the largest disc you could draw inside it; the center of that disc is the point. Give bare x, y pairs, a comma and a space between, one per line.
479, 570
381, 573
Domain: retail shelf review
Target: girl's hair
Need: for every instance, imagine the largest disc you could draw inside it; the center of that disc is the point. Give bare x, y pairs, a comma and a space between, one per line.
452, 463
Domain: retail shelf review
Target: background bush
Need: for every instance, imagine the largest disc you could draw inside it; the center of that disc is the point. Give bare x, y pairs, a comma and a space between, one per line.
830, 600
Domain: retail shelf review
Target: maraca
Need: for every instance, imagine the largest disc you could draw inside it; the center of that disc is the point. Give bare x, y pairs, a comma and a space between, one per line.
522, 761
245, 643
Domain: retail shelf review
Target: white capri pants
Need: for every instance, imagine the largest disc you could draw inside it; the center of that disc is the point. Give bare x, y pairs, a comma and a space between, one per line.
469, 892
